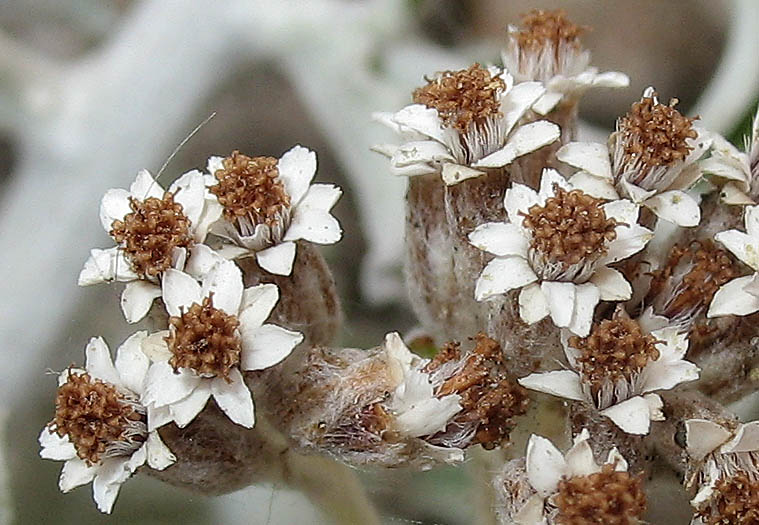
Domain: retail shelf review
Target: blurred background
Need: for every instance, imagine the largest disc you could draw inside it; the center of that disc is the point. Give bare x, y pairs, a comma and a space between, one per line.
93, 90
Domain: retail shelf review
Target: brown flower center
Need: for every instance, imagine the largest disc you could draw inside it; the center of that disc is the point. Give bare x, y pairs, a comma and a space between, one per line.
149, 234
654, 135
615, 349
462, 97
249, 188
570, 228
541, 28
607, 497
98, 419
735, 502
205, 339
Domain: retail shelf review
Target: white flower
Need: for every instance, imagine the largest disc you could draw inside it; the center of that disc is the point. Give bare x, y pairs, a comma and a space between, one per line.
741, 295
142, 255
216, 330
269, 204
617, 386
547, 467
118, 387
657, 179
567, 290
460, 145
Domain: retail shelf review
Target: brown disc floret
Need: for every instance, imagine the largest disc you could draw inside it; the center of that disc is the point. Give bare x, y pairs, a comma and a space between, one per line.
735, 501
541, 28
607, 497
204, 339
150, 233
570, 228
462, 97
250, 188
97, 418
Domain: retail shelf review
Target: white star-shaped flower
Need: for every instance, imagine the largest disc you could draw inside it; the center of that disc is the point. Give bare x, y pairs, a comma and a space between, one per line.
741, 295
661, 187
627, 400
567, 291
217, 330
433, 145
121, 457
270, 228
143, 255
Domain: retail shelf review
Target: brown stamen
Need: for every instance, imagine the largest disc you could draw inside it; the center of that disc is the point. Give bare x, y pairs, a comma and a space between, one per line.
608, 497
615, 349
654, 134
570, 227
149, 234
735, 502
541, 28
96, 418
462, 97
249, 187
205, 339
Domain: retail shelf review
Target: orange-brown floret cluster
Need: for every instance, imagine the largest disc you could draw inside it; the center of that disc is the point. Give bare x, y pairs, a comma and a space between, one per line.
462, 97
615, 349
95, 416
488, 397
735, 502
149, 234
204, 339
608, 497
541, 28
249, 188
570, 227
655, 134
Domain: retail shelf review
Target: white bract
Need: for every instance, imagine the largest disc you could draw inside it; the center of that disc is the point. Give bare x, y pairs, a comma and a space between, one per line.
430, 146
111, 264
740, 296
121, 459
306, 217
629, 402
180, 395
569, 294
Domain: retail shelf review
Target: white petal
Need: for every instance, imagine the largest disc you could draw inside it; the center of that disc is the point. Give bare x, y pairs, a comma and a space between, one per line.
154, 346
212, 211
615, 458
675, 206
524, 140
703, 436
55, 447
105, 487
159, 455
189, 190
455, 173
501, 275
623, 211
588, 156
743, 246
611, 284
751, 218
428, 416
266, 346
423, 120
746, 439
104, 266
549, 179
412, 170
137, 298
532, 513
633, 192
202, 259
234, 398
561, 383
420, 152
163, 386
661, 376
561, 301
633, 415
580, 460
75, 473
114, 207
296, 169
732, 299
224, 281
594, 186
183, 412
547, 102
99, 363
214, 164
145, 186
158, 417
545, 465
179, 291
518, 200
611, 79
311, 218
517, 101
655, 405
257, 303
277, 259
674, 343
533, 305
500, 239
132, 363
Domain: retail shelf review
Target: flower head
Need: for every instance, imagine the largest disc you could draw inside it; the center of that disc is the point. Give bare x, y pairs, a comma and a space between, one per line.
216, 331
616, 368
465, 121
100, 428
154, 230
270, 203
556, 247
573, 489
